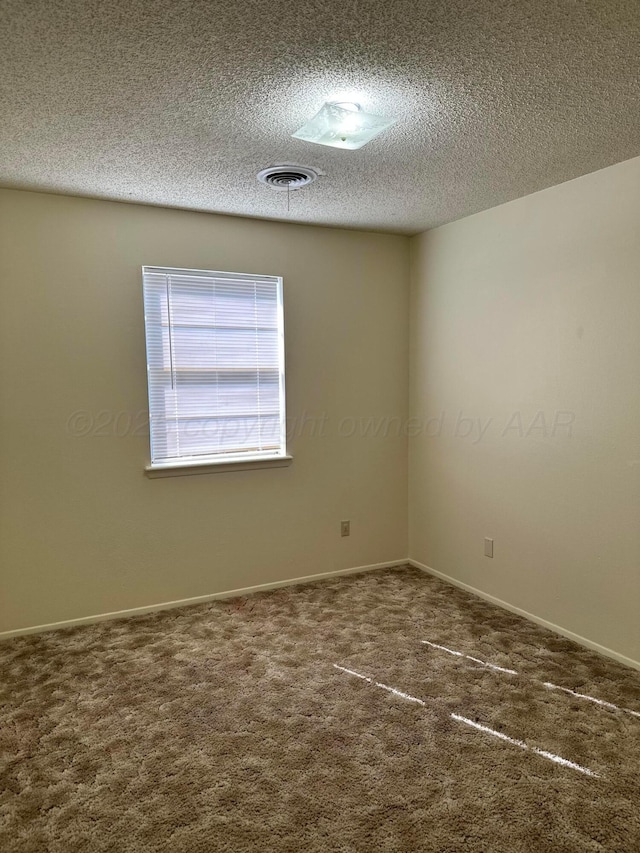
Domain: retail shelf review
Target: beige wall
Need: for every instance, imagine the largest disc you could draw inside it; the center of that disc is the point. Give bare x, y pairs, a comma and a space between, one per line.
532, 307
524, 319
82, 530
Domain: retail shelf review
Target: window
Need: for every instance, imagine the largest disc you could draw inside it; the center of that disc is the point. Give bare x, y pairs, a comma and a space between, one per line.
215, 366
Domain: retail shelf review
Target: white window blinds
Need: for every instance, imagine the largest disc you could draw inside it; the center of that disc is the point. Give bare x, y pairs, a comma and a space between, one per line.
215, 365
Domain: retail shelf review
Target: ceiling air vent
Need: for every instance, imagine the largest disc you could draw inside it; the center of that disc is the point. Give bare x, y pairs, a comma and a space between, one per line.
287, 177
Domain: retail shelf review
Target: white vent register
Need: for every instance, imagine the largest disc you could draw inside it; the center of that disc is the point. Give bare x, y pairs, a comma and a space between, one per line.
215, 366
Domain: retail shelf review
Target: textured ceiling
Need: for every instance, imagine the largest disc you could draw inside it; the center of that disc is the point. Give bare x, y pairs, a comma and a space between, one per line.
181, 102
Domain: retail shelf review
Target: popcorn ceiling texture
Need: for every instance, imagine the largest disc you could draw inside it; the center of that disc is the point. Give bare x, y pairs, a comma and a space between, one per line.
181, 102
227, 728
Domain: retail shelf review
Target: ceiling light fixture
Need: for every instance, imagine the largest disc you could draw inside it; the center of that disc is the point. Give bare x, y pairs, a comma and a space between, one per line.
343, 125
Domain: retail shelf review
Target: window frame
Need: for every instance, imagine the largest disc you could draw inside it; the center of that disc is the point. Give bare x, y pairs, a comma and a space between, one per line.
220, 461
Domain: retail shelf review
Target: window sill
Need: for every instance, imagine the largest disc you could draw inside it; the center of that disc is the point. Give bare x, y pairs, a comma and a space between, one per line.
182, 469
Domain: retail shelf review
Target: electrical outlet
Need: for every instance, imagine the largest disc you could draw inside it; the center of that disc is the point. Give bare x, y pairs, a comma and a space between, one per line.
345, 528
488, 547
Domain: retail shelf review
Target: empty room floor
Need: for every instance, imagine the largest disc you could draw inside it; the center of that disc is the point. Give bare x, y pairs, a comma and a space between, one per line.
383, 711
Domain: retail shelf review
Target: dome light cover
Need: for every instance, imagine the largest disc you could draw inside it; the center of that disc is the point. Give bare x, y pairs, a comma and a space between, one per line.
343, 126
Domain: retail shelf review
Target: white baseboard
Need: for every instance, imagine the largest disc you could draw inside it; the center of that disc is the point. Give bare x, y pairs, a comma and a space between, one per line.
233, 593
582, 641
200, 599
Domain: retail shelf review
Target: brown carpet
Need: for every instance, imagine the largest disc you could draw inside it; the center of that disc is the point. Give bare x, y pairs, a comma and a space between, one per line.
227, 727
